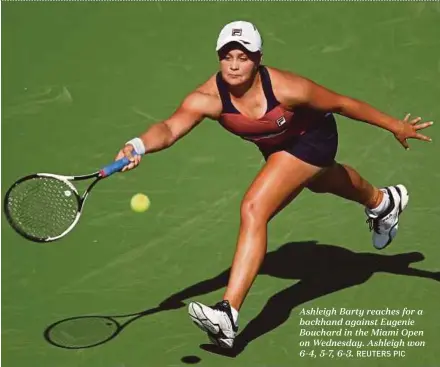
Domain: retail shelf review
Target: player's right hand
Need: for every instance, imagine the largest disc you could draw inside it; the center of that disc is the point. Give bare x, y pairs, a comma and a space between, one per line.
128, 151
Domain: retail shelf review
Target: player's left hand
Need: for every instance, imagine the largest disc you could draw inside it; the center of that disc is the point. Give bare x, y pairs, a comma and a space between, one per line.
409, 130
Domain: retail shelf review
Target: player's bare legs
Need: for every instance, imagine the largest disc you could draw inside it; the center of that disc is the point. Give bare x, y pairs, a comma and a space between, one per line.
278, 183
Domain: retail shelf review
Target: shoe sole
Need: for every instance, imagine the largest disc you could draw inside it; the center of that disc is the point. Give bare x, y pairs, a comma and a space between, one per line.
404, 198
221, 342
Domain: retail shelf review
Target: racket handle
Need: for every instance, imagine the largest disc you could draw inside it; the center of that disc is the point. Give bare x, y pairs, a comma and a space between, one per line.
114, 167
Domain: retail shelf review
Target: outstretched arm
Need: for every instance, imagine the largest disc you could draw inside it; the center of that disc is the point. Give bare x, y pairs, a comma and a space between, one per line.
315, 96
194, 108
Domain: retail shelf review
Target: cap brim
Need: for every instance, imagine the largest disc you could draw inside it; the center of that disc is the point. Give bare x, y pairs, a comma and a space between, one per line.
242, 41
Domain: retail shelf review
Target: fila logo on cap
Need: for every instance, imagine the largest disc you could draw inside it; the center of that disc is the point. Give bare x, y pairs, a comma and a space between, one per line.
236, 32
281, 121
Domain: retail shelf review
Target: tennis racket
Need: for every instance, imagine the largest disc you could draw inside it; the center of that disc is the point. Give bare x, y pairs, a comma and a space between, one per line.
44, 207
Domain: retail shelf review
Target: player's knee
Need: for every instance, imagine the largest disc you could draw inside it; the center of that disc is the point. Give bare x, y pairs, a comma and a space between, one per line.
252, 211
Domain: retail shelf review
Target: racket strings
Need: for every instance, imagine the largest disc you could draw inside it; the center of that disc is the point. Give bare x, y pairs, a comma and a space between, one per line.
42, 207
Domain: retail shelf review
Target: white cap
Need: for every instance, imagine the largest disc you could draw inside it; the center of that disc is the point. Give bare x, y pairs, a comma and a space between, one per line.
242, 32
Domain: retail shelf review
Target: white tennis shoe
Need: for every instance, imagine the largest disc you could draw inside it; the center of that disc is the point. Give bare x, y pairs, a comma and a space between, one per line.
216, 321
386, 224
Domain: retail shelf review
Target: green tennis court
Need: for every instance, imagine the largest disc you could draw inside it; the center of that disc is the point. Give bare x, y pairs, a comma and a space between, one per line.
80, 79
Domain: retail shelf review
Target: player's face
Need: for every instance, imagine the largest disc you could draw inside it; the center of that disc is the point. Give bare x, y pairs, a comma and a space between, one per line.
238, 66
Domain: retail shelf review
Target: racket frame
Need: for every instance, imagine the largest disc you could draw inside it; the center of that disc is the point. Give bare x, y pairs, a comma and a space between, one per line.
106, 171
66, 180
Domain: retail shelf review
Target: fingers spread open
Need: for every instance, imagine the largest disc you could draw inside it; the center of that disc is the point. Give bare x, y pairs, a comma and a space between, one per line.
422, 137
415, 121
423, 126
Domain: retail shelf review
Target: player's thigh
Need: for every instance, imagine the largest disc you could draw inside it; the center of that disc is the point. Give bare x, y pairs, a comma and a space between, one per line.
282, 178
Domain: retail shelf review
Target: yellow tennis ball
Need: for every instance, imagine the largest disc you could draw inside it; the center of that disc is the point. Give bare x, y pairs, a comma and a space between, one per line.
140, 203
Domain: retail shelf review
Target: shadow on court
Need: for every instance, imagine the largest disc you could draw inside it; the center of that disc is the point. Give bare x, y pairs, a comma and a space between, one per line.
321, 270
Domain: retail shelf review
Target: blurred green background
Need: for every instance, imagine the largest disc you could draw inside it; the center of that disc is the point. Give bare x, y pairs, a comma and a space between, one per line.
80, 79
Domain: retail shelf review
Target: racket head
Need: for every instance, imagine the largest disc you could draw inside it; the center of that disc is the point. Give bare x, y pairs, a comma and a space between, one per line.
42, 207
82, 332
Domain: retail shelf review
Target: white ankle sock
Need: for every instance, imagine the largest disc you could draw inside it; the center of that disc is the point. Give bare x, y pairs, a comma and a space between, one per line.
383, 204
234, 315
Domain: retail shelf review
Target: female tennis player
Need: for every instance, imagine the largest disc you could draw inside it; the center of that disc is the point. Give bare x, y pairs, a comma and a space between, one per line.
290, 119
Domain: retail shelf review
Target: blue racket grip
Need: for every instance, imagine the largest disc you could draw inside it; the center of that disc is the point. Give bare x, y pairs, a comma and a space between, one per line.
114, 167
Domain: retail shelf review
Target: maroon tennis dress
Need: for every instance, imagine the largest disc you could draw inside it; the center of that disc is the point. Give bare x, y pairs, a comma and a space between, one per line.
307, 134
